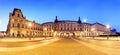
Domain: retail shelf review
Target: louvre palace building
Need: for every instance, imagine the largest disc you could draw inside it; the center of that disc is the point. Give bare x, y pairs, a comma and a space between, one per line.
19, 26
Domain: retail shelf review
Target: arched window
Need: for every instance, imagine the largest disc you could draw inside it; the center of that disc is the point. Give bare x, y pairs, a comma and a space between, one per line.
18, 25
22, 35
13, 34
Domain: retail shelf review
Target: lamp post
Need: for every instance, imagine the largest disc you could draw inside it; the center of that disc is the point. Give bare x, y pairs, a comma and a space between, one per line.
85, 33
29, 25
52, 33
108, 27
45, 29
93, 29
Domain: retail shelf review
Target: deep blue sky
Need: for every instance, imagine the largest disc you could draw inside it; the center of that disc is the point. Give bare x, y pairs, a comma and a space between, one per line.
102, 11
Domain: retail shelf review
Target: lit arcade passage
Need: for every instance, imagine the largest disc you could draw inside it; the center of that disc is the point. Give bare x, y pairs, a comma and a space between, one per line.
67, 34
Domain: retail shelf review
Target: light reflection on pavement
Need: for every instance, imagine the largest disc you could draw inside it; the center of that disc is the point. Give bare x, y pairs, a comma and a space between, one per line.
20, 46
111, 47
104, 43
58, 46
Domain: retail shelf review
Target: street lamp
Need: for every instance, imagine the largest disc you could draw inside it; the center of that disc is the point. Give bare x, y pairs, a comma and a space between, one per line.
45, 29
29, 25
108, 27
85, 33
52, 33
93, 29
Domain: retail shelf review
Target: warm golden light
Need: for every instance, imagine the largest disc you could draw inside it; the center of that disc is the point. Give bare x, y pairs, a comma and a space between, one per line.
93, 29
29, 24
52, 30
45, 28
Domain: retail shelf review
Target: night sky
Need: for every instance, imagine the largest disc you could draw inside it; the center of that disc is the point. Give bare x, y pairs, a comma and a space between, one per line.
106, 12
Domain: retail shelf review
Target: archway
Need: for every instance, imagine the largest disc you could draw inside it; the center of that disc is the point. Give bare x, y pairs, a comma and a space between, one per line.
18, 34
13, 34
67, 34
73, 34
61, 34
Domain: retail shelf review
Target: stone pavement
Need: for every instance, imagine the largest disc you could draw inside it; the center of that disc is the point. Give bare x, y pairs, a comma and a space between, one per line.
22, 39
106, 46
59, 47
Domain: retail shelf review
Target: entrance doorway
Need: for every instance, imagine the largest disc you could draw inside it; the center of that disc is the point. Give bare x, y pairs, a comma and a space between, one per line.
18, 34
73, 34
67, 34
61, 34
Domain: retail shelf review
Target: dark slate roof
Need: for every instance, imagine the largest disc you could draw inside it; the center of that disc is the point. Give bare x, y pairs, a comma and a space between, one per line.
87, 23
15, 9
98, 23
62, 21
47, 22
67, 21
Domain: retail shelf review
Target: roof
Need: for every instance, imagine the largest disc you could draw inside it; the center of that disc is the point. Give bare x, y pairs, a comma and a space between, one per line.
87, 23
15, 9
47, 22
98, 23
62, 21
67, 21
33, 22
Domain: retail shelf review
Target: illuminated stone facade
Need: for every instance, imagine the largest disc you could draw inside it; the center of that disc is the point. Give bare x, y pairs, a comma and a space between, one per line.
19, 26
